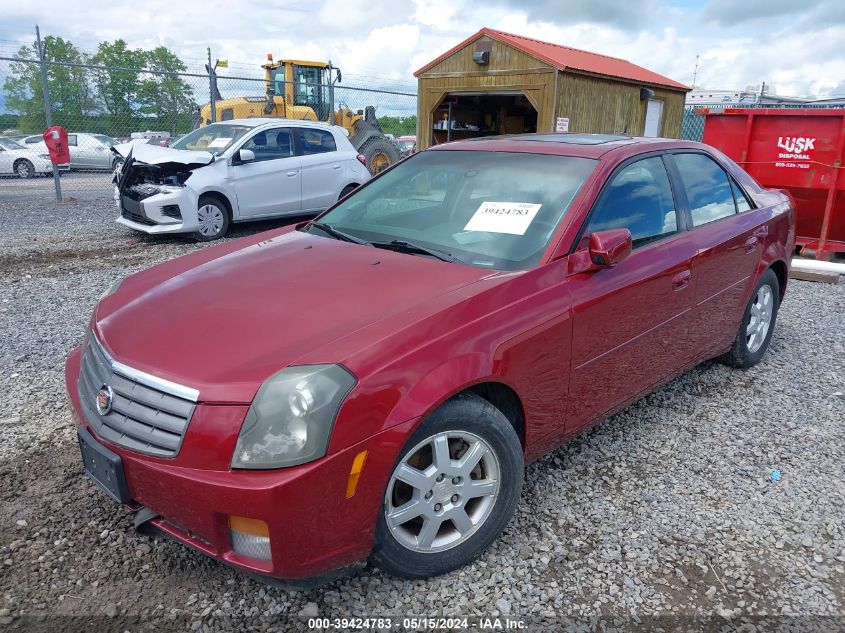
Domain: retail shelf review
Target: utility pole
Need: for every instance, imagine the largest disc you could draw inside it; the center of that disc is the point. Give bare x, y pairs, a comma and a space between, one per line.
48, 113
212, 88
695, 72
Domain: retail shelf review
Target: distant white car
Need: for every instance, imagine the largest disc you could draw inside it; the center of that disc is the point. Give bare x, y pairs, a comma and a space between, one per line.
22, 161
235, 171
87, 151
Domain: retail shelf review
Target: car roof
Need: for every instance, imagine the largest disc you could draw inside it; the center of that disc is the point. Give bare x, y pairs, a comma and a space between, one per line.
259, 121
567, 144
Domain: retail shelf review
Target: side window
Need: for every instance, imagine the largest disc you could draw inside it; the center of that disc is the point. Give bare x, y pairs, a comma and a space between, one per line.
316, 141
228, 114
71, 140
708, 190
638, 198
742, 203
271, 144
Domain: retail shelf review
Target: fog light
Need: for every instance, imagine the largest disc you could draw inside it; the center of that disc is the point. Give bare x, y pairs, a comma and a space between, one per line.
250, 537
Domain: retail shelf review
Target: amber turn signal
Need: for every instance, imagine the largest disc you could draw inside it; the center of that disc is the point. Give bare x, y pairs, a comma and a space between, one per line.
355, 474
253, 527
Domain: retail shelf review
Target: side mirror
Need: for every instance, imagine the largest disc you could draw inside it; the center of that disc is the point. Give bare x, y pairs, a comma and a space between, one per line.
245, 155
608, 248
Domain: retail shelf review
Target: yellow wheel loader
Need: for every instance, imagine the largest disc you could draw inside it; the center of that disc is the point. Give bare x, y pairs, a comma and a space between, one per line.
296, 89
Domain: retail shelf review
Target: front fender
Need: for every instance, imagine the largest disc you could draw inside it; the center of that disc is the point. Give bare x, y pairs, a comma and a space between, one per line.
383, 404
444, 381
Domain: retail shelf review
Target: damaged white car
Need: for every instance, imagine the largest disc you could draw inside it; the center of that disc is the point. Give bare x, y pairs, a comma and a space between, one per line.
236, 171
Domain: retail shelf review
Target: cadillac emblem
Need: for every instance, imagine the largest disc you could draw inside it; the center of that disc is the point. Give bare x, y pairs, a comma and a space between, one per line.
104, 399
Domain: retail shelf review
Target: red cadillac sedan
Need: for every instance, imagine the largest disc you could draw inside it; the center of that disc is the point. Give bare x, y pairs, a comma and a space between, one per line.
370, 384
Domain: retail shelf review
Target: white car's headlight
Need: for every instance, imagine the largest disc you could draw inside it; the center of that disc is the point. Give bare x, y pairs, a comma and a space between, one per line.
291, 418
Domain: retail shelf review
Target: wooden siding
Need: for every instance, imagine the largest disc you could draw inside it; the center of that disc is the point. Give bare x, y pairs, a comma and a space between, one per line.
503, 58
509, 70
604, 106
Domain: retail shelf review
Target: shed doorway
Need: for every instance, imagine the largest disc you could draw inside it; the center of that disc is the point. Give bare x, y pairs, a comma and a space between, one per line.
477, 114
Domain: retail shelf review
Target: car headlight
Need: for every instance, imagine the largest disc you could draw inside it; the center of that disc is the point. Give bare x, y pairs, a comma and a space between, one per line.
44, 156
291, 418
111, 289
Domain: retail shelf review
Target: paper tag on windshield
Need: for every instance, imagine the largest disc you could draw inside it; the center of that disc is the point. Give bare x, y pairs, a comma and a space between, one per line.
503, 217
219, 142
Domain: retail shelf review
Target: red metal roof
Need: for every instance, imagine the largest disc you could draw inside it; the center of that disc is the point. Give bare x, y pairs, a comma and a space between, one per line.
565, 57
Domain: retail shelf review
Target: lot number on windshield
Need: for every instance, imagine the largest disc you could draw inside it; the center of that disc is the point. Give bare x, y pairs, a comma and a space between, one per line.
503, 217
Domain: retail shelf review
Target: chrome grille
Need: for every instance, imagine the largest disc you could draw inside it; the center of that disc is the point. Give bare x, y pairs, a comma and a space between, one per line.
148, 414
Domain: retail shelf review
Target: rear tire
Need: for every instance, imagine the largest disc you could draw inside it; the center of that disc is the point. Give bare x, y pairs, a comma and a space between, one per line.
346, 191
24, 168
440, 513
213, 218
758, 323
380, 154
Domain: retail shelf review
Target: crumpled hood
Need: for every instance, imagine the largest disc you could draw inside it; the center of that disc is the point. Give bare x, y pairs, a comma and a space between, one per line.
224, 319
156, 155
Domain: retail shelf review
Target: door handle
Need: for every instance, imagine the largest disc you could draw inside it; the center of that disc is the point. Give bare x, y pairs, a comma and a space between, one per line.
681, 280
335, 166
291, 174
751, 244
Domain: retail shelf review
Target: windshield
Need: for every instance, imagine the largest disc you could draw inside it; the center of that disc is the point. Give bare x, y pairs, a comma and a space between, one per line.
8, 143
215, 138
105, 140
488, 209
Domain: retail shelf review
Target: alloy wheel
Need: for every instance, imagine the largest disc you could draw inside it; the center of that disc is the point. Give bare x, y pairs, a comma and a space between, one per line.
442, 491
210, 219
760, 319
23, 169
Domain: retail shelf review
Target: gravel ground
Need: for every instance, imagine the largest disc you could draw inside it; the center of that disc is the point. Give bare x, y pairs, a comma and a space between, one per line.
663, 517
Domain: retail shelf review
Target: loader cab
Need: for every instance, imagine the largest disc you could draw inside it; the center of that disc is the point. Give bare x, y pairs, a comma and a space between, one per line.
303, 84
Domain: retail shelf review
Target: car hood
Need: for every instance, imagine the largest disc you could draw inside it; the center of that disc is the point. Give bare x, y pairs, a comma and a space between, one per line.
157, 155
224, 319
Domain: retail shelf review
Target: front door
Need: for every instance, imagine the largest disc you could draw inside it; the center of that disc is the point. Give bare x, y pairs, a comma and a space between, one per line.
271, 184
729, 237
631, 322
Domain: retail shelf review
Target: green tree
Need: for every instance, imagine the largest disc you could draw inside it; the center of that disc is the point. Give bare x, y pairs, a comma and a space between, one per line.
399, 126
71, 97
119, 84
164, 95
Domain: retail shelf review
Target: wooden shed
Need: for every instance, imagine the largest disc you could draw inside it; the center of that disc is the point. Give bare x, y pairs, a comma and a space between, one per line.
499, 83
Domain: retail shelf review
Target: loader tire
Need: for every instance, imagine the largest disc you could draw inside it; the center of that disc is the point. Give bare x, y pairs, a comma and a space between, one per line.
380, 154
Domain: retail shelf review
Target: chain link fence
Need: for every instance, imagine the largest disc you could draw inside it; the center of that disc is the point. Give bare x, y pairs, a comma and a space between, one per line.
101, 105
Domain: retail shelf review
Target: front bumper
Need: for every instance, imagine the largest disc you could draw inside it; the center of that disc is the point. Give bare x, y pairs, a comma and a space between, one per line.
154, 214
314, 528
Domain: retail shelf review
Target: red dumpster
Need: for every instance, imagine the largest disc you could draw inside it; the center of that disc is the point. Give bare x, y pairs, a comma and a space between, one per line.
800, 150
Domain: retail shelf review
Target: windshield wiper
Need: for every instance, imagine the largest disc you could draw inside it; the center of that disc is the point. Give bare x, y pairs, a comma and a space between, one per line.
337, 234
403, 246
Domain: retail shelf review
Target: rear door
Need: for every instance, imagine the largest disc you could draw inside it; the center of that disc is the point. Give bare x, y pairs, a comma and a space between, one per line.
631, 322
323, 168
729, 236
272, 183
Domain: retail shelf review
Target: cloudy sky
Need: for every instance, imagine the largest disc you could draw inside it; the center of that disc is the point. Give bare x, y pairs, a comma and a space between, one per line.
794, 45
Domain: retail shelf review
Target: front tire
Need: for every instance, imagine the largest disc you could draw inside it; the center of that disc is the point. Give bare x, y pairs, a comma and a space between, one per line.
213, 219
758, 323
24, 169
380, 154
453, 490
